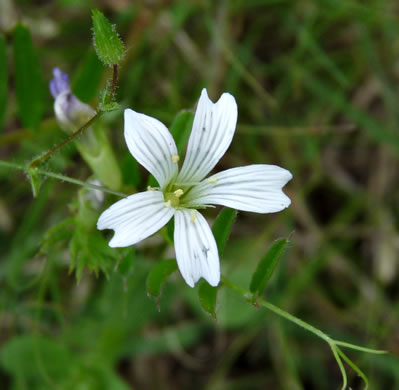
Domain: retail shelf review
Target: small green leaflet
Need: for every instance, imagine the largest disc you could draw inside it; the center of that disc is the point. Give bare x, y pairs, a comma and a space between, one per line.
28, 79
266, 266
108, 45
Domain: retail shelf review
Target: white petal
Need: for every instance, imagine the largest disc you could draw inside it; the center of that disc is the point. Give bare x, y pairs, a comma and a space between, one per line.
196, 251
135, 218
256, 188
213, 129
152, 145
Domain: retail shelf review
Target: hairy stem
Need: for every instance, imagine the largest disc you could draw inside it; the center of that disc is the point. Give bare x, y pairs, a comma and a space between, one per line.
39, 160
68, 179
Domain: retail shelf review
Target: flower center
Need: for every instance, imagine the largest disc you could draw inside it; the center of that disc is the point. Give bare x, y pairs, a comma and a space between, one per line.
172, 199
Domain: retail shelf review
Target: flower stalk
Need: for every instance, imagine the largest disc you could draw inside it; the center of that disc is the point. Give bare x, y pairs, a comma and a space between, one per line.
79, 120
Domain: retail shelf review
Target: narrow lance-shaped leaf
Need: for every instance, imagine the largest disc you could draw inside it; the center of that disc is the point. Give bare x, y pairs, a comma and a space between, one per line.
222, 227
221, 230
266, 266
3, 81
207, 295
28, 79
108, 45
158, 276
88, 78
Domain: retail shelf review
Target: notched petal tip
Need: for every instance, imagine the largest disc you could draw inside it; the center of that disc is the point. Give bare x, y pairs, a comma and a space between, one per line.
151, 144
287, 175
189, 282
204, 92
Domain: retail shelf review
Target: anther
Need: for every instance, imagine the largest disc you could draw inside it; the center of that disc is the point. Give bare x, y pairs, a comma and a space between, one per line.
212, 180
175, 158
149, 188
168, 203
178, 193
193, 216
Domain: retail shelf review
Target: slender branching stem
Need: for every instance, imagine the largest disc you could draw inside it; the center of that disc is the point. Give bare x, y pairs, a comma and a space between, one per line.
40, 159
67, 179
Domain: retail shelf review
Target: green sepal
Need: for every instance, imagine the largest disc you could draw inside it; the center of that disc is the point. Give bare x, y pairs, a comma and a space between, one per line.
35, 180
96, 150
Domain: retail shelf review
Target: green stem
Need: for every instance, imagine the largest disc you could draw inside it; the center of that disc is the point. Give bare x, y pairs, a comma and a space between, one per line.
249, 297
358, 348
62, 178
338, 354
353, 366
340, 365
278, 311
39, 160
114, 82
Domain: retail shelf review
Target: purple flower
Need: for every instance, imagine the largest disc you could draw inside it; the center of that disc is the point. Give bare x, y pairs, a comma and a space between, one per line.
60, 83
71, 113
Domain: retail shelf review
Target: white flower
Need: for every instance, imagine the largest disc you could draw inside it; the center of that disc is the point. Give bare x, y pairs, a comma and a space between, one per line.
256, 188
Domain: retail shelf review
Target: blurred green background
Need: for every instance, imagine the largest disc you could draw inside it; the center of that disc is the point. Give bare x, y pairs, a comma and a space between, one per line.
316, 82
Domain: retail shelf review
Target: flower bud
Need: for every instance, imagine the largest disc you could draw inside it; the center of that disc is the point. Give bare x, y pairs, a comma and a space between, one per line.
70, 112
93, 145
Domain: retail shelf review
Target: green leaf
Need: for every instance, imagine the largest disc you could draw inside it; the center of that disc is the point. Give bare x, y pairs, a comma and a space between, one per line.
35, 180
27, 356
107, 107
266, 266
108, 45
207, 295
158, 276
28, 79
222, 227
88, 249
3, 81
106, 103
88, 78
126, 264
58, 232
181, 129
